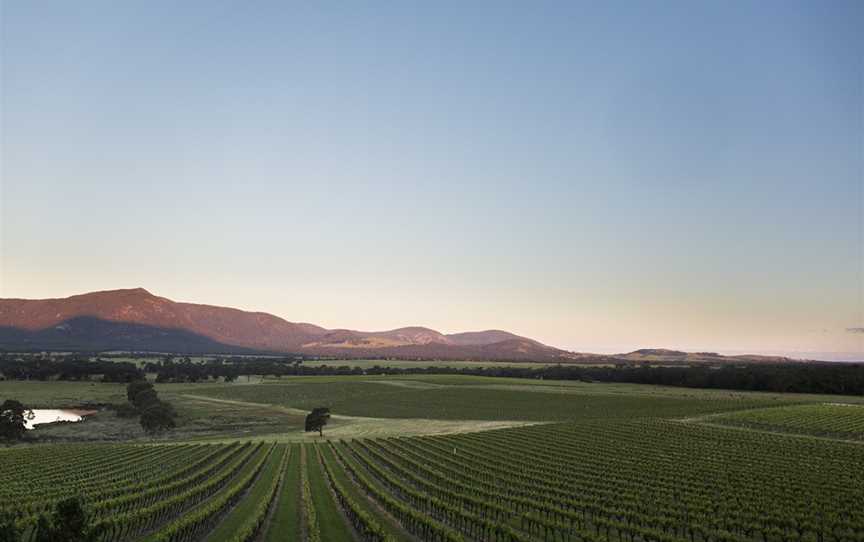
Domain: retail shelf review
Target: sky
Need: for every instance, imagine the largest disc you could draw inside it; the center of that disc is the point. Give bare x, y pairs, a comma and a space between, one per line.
600, 176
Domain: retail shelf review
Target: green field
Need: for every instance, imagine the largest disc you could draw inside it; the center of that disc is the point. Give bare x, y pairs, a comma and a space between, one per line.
448, 458
285, 522
485, 401
840, 420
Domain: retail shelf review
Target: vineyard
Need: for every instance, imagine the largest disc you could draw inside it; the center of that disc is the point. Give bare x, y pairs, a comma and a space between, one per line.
516, 461
830, 419
628, 480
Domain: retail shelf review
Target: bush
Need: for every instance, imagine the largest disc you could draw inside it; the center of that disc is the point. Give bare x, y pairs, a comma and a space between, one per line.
126, 410
156, 415
12, 420
68, 523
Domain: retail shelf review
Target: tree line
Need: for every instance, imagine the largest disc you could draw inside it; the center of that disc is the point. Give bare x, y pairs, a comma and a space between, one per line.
809, 377
827, 378
66, 367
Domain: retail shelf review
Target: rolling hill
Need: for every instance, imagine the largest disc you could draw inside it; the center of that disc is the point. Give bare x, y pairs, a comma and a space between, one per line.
135, 319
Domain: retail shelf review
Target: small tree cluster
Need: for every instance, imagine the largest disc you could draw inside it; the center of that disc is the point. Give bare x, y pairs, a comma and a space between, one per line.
156, 415
68, 523
13, 416
9, 531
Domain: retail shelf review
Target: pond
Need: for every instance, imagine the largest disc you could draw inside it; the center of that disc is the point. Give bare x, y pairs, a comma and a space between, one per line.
53, 415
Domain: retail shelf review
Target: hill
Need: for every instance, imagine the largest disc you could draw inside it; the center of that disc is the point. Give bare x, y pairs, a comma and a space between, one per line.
662, 356
135, 319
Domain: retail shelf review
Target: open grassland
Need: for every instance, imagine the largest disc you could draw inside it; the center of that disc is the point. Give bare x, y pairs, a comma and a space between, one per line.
450, 458
61, 394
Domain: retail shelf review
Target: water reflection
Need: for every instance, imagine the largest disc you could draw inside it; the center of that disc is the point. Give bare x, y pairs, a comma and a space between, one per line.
52, 415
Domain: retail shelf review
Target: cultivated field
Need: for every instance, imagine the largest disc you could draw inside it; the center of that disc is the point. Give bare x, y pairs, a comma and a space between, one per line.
448, 458
830, 419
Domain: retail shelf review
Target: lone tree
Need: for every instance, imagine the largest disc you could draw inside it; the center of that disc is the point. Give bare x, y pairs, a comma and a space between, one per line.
317, 419
12, 420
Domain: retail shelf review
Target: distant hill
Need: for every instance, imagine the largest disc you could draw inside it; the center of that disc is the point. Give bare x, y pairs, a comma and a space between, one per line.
135, 319
663, 356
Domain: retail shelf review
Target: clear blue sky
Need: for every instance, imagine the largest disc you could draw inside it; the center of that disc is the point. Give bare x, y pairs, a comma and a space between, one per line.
600, 176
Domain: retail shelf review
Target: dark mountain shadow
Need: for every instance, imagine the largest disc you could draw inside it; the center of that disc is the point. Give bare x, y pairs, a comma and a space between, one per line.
86, 333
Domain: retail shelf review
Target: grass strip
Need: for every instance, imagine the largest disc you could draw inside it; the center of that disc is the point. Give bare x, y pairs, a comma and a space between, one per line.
285, 523
244, 521
365, 516
331, 522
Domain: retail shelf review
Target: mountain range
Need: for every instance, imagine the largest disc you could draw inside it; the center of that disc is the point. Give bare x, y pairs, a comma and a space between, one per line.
136, 320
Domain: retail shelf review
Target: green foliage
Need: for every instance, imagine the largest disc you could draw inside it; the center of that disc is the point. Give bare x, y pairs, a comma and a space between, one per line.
358, 514
192, 526
156, 415
626, 464
246, 519
285, 523
313, 529
126, 410
12, 420
68, 523
837, 420
640, 479
136, 388
480, 399
317, 419
329, 517
9, 531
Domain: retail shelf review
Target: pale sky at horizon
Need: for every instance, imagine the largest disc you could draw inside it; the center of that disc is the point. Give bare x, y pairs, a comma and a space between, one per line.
599, 176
